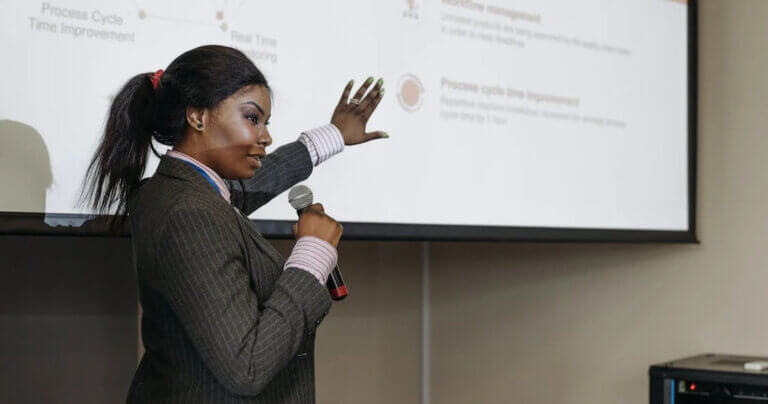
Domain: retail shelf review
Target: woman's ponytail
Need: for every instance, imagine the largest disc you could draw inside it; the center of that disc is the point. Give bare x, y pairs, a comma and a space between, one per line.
120, 159
153, 106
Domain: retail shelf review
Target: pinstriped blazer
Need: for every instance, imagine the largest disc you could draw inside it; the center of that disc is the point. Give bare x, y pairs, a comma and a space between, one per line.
222, 322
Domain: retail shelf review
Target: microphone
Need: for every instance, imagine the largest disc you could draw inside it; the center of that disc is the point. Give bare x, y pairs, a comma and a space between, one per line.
300, 198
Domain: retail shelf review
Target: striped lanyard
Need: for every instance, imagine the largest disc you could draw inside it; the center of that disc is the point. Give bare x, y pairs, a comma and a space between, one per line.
205, 175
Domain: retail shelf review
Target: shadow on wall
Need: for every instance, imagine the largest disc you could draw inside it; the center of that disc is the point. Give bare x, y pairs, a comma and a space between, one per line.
25, 168
25, 176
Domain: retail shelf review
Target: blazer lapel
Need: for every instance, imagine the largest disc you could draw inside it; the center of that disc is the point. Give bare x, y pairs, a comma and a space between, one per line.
173, 167
263, 244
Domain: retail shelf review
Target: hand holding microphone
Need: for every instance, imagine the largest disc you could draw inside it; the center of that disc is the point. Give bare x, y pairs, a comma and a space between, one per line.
314, 222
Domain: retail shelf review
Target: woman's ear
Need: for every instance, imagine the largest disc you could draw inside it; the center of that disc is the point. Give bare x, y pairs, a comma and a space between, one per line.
196, 118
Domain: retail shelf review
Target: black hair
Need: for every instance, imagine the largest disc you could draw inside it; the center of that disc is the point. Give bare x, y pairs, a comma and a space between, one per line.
201, 77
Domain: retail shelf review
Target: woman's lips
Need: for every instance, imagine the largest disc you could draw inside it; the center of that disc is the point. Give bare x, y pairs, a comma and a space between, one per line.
256, 157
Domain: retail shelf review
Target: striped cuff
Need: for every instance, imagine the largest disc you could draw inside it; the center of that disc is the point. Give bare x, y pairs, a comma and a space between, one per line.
314, 255
322, 142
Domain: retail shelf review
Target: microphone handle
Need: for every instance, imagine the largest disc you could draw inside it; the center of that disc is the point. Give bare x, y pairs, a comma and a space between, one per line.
336, 286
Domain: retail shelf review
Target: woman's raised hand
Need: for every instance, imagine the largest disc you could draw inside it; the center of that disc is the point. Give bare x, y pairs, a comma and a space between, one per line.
351, 115
314, 222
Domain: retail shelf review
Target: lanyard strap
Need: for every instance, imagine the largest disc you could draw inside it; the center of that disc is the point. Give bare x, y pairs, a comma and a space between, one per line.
205, 175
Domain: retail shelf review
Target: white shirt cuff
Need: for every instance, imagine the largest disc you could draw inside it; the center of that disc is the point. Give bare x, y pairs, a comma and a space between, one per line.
314, 255
323, 142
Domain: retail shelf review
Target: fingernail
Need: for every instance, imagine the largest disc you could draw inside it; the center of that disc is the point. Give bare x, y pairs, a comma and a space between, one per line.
351, 82
368, 80
385, 136
380, 82
381, 92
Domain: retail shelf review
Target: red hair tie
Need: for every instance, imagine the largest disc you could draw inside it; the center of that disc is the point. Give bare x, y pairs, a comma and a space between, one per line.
155, 79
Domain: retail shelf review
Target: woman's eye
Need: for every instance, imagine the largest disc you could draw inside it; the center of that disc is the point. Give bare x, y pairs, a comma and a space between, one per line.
253, 118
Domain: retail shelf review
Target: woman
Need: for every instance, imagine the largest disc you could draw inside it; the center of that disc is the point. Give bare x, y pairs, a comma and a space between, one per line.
226, 319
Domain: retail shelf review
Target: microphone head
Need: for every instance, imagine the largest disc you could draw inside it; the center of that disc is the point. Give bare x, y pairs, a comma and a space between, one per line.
300, 197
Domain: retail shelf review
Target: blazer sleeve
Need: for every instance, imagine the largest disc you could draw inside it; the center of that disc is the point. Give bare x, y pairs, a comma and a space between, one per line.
203, 276
280, 170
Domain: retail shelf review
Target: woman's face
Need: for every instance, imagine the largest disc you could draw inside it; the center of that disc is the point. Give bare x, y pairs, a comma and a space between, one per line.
235, 133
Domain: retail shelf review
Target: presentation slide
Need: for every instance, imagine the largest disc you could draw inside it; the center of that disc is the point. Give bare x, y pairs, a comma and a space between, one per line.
524, 113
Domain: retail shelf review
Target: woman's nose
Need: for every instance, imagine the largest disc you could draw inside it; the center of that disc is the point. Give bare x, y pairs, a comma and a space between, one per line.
265, 138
